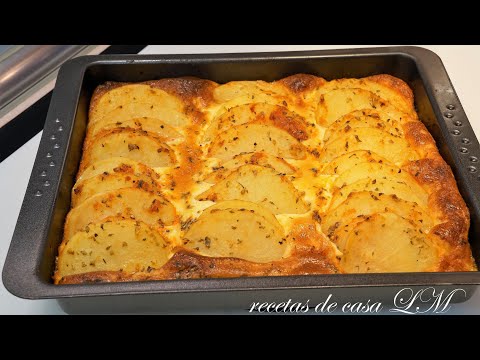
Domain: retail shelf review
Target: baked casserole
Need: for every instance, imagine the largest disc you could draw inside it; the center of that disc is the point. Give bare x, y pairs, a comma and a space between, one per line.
186, 178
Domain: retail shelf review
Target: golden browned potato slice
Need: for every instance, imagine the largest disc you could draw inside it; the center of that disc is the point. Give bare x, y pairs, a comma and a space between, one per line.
253, 208
118, 245
337, 103
259, 158
377, 172
340, 235
132, 203
388, 243
394, 149
363, 119
138, 100
401, 101
256, 138
116, 164
235, 232
259, 113
150, 110
260, 185
367, 203
152, 125
346, 161
119, 178
252, 91
379, 185
133, 144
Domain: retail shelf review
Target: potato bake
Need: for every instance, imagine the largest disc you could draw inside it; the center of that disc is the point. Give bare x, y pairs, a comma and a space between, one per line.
186, 178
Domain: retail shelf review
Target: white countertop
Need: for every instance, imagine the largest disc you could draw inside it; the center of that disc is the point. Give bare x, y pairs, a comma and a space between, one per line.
461, 62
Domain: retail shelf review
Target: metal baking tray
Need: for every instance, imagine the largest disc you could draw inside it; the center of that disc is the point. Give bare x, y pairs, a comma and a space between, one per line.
31, 258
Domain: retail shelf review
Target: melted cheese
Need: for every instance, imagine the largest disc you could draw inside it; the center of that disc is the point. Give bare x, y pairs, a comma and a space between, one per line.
308, 179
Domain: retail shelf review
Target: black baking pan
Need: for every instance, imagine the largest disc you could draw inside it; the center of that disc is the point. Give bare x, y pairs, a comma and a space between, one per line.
31, 258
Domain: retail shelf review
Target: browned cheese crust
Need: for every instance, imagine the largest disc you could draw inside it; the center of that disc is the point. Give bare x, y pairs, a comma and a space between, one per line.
395, 84
445, 201
289, 108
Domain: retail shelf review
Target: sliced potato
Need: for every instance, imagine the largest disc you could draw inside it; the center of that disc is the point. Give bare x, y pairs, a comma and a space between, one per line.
340, 235
253, 90
259, 113
152, 125
133, 203
375, 170
256, 138
367, 203
398, 99
379, 185
117, 164
252, 207
346, 161
138, 100
363, 119
235, 232
395, 149
133, 144
260, 185
337, 103
388, 243
121, 177
238, 93
379, 174
119, 245
258, 158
